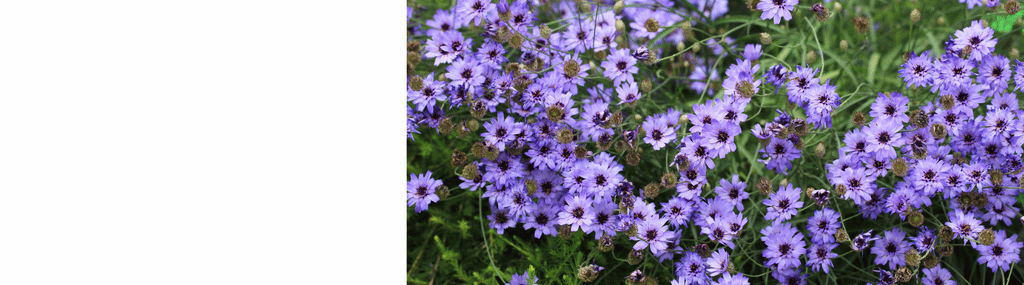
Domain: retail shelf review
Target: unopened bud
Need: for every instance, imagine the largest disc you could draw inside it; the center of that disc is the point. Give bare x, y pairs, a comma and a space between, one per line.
416, 83
633, 157
965, 53
618, 7
515, 41
945, 233
445, 125
1011, 7
635, 257
842, 236
915, 218
669, 180
764, 186
858, 119
860, 23
899, 167
912, 257
837, 7
752, 5
478, 150
938, 131
652, 190
587, 273
941, 21
545, 31
571, 68
696, 47
841, 189
903, 274
645, 86
930, 261
986, 237
531, 186
915, 15
1014, 52
620, 26
442, 192
819, 150
766, 39
565, 231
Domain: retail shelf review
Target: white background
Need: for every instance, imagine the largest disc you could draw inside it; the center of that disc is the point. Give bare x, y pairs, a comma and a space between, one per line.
202, 142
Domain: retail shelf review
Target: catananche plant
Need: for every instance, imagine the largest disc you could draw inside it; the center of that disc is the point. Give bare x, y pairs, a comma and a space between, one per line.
683, 154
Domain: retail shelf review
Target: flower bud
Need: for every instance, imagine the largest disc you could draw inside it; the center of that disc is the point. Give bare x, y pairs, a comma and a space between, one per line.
899, 167
764, 186
581, 152
819, 196
565, 231
938, 131
445, 125
995, 176
820, 12
587, 273
652, 190
605, 243
1011, 7
442, 191
945, 233
915, 15
1014, 53
618, 7
861, 24
645, 86
652, 25
545, 31
842, 236
841, 190
703, 250
912, 257
903, 274
515, 41
564, 135
766, 39
669, 180
837, 7
492, 152
946, 250
915, 218
620, 26
696, 47
632, 157
752, 5
843, 44
635, 257
986, 237
930, 261
416, 83
819, 150
941, 21
858, 119
731, 268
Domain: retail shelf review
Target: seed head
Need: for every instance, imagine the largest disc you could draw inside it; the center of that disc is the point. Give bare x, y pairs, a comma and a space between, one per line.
633, 157
843, 44
635, 257
912, 257
1011, 7
416, 83
564, 135
836, 6
581, 152
903, 274
752, 4
938, 131
571, 68
841, 190
587, 273
445, 125
652, 190
858, 119
941, 21
442, 191
515, 41
764, 186
645, 86
930, 261
458, 158
669, 180
995, 176
555, 113
986, 237
1014, 53
703, 250
915, 15
861, 24
620, 26
605, 244
746, 89
545, 31
766, 39
842, 236
899, 167
918, 118
945, 233
915, 218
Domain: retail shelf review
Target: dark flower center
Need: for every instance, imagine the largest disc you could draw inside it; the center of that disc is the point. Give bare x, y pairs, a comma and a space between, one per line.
600, 180
504, 165
500, 132
456, 46
821, 252
883, 137
965, 228
783, 204
962, 97
621, 65
734, 227
541, 219
602, 218
918, 69
546, 187
723, 136
780, 149
975, 41
691, 174
652, 234
718, 234
996, 72
854, 183
929, 174
676, 210
730, 115
954, 180
734, 193
577, 212
700, 151
879, 164
784, 249
860, 146
445, 27
891, 248
656, 135
500, 218
467, 74
997, 250
581, 35
421, 191
890, 109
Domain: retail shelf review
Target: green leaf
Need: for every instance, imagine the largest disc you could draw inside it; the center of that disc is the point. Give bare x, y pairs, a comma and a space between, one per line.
1004, 23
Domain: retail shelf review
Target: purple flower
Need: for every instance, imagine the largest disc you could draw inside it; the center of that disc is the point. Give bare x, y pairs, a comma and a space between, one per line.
501, 219
501, 130
952, 71
627, 92
995, 73
890, 108
978, 37
778, 155
421, 190
677, 211
785, 245
918, 70
733, 191
692, 270
577, 212
658, 132
860, 242
729, 279
653, 233
783, 204
542, 219
1018, 76
718, 137
428, 96
891, 248
619, 66
928, 176
820, 255
478, 10
964, 225
801, 81
823, 225
718, 263
884, 136
465, 71
776, 9
1003, 252
523, 279
937, 276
